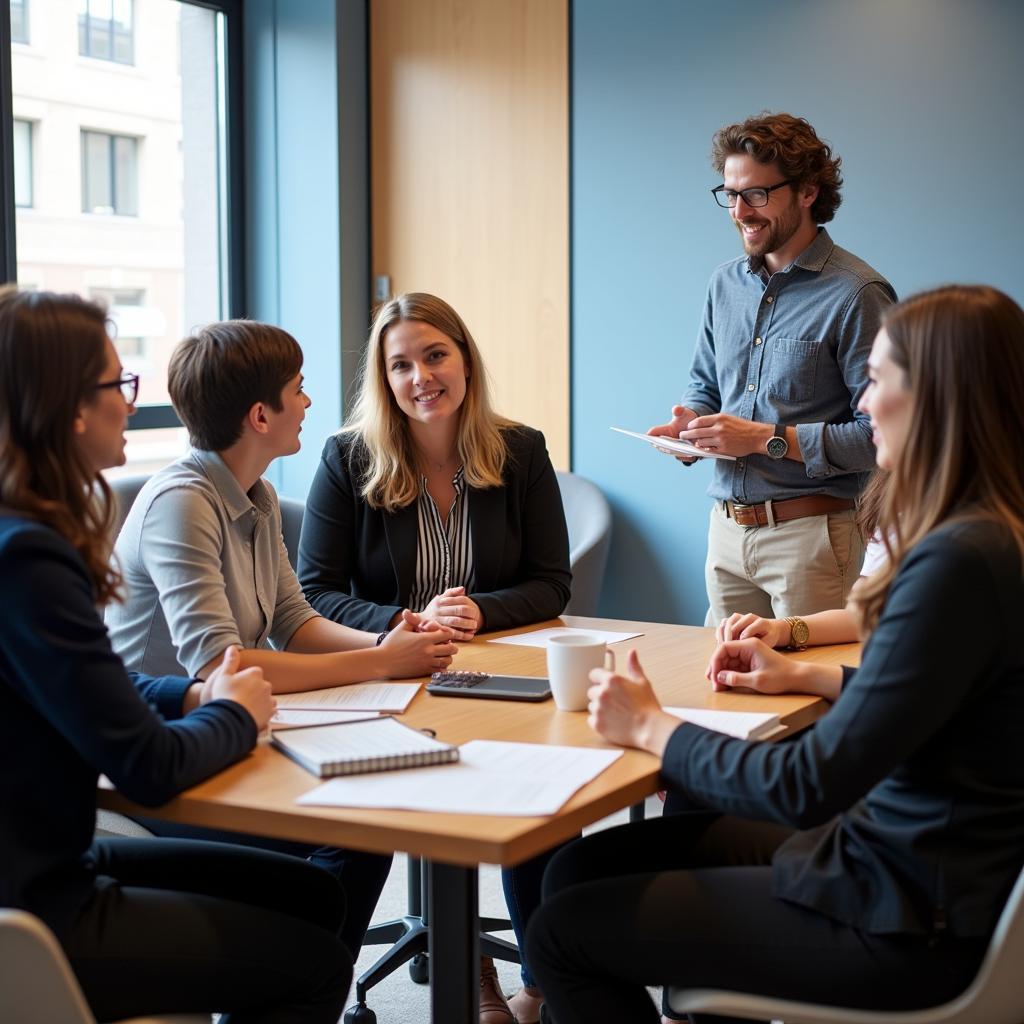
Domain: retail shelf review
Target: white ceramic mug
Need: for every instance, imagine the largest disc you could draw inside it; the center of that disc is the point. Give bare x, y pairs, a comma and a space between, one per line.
570, 659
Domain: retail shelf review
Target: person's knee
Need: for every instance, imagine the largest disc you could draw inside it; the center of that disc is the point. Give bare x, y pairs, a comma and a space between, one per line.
564, 870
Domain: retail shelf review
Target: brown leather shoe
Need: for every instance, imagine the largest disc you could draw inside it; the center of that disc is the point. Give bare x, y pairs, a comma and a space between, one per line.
493, 1007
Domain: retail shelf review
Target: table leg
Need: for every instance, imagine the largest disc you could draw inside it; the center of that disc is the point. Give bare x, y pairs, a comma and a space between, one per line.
454, 944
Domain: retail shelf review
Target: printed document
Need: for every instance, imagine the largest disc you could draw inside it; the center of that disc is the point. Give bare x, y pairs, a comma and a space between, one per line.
540, 637
675, 446
491, 777
744, 725
392, 698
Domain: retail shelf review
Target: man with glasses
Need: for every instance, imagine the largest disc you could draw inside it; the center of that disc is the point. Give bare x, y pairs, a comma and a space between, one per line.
780, 365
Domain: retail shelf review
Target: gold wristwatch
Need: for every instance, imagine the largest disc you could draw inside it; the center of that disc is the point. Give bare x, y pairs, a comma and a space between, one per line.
799, 634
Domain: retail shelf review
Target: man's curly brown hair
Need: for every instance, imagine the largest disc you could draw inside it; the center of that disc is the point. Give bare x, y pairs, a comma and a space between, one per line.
793, 145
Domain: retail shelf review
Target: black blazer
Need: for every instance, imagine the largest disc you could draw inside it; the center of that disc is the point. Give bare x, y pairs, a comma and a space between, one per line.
357, 564
68, 711
909, 793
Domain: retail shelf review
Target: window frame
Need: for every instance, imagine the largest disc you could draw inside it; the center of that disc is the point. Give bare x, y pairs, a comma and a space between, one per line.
149, 417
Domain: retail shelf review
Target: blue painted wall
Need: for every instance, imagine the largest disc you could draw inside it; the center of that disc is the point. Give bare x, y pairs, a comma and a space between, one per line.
307, 210
921, 98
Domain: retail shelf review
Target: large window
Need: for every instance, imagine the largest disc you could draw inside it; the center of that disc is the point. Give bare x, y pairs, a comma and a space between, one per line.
129, 196
19, 21
109, 174
22, 163
105, 30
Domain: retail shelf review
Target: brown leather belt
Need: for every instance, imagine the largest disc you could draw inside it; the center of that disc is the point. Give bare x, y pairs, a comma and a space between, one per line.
791, 508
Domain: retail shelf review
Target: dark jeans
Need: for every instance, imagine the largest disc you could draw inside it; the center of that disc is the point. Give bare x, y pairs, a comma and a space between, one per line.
686, 900
189, 927
362, 875
522, 885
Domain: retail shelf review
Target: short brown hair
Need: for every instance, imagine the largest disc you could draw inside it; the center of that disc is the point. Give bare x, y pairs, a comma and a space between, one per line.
792, 144
220, 372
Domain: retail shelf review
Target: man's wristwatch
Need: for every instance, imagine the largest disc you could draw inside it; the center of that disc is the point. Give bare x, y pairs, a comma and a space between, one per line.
799, 634
776, 446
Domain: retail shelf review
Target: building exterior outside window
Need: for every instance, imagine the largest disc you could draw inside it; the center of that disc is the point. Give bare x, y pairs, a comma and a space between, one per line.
105, 30
109, 174
23, 163
121, 184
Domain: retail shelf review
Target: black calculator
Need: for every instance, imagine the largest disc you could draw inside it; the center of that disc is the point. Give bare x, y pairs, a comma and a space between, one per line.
483, 684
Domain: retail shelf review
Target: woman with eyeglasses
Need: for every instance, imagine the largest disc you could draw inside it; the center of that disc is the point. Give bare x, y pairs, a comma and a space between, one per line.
865, 863
148, 926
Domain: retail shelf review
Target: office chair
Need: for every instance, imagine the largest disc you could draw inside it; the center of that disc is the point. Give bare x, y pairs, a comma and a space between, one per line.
589, 521
589, 518
37, 985
996, 996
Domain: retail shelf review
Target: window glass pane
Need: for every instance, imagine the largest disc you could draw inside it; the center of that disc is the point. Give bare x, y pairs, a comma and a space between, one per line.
125, 177
97, 183
121, 12
99, 39
145, 144
22, 163
19, 21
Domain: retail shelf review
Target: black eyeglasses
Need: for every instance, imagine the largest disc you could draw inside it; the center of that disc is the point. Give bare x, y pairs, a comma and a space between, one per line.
726, 197
128, 383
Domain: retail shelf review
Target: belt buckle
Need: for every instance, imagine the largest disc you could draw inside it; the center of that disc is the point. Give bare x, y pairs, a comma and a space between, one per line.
740, 507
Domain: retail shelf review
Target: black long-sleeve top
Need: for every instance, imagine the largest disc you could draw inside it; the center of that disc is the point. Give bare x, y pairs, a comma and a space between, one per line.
68, 712
357, 564
909, 793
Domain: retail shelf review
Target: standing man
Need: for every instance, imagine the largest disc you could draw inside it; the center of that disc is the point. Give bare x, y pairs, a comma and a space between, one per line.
780, 365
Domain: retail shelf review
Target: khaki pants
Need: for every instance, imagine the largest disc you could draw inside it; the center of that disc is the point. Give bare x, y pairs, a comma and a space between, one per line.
797, 567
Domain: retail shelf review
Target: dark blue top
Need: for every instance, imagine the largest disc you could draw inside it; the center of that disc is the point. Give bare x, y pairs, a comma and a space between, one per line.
69, 711
909, 793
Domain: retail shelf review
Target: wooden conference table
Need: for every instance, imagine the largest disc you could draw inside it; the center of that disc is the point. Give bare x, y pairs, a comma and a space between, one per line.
258, 794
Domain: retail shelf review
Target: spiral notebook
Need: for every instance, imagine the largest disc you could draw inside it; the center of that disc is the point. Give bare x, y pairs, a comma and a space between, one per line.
372, 745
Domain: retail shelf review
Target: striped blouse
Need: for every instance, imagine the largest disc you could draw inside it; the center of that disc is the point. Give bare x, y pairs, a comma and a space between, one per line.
444, 552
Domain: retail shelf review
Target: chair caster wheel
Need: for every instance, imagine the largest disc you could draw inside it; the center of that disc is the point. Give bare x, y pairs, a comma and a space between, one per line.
360, 1014
419, 969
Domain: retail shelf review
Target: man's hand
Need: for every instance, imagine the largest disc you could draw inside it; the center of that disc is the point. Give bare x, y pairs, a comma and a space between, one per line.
624, 710
248, 688
681, 419
728, 435
456, 611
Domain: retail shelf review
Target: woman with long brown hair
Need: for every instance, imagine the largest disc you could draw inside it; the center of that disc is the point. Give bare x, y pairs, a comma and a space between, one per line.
148, 926
865, 863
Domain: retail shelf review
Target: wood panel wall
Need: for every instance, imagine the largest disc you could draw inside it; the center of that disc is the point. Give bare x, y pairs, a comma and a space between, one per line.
470, 183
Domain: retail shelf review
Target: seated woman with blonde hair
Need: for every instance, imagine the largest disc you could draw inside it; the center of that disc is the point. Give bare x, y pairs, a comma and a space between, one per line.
865, 863
427, 499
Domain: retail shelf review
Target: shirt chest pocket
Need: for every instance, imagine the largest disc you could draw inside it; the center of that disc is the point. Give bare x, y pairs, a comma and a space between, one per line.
792, 368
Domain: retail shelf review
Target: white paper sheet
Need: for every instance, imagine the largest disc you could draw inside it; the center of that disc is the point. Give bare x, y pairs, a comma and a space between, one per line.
389, 697
675, 446
294, 718
540, 637
515, 779
744, 725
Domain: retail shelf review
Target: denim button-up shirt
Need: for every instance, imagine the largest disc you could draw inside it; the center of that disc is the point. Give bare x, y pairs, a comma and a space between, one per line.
792, 348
